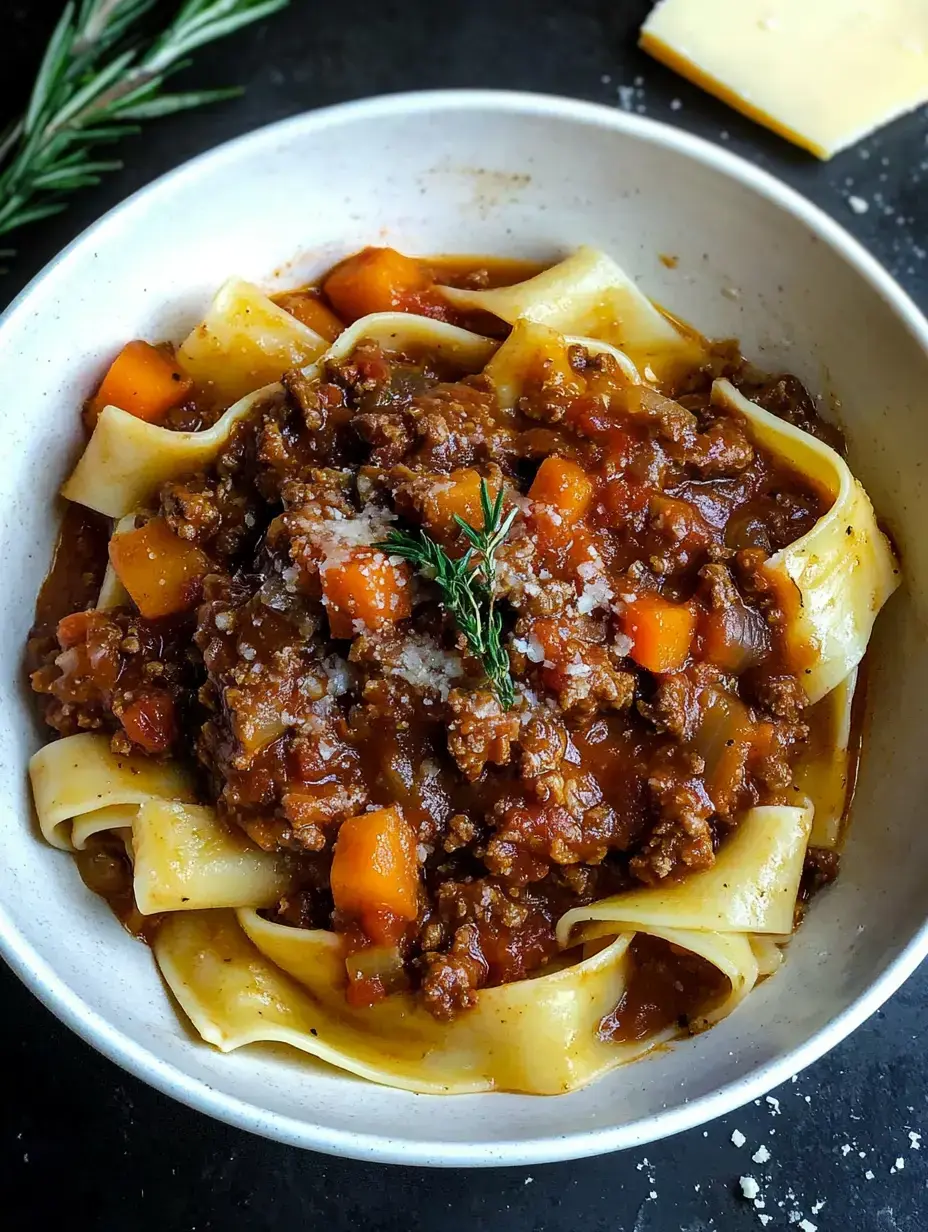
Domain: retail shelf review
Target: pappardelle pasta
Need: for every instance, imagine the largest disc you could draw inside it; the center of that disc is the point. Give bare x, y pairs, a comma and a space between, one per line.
453, 668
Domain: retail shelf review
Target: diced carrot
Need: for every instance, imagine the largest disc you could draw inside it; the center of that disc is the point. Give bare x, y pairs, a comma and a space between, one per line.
365, 587
564, 487
458, 495
161, 572
307, 307
374, 280
374, 869
143, 380
149, 721
661, 632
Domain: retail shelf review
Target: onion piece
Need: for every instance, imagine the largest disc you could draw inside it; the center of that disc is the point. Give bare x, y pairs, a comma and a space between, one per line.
735, 638
383, 963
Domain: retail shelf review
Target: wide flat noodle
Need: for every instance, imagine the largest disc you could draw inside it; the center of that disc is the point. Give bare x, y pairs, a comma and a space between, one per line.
533, 349
732, 953
245, 342
81, 774
536, 1036
187, 859
115, 819
403, 333
768, 953
824, 769
588, 294
127, 460
751, 887
841, 572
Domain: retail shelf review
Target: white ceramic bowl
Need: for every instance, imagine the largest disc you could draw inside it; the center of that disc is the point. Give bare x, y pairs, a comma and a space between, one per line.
507, 174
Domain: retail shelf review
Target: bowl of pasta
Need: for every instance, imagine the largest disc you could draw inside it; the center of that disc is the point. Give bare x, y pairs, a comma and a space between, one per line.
447, 540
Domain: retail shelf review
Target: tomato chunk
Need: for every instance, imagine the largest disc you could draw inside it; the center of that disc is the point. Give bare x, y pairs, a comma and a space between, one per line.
149, 721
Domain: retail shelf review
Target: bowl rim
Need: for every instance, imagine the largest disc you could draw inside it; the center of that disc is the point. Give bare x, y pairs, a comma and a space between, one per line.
66, 1004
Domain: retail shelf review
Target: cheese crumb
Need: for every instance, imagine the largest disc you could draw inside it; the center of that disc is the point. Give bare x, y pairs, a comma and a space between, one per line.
915, 1140
774, 1104
869, 1174
858, 204
806, 1226
749, 1187
761, 1155
738, 1138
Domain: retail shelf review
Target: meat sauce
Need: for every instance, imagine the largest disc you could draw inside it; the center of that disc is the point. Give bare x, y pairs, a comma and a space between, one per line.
655, 701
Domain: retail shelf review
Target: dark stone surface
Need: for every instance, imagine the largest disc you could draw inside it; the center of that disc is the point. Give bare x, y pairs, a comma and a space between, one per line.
80, 1140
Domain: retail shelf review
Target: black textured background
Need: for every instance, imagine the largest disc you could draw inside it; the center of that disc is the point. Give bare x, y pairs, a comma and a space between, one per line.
82, 1141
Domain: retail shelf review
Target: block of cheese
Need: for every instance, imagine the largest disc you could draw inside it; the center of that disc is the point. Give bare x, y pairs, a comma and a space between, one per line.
822, 73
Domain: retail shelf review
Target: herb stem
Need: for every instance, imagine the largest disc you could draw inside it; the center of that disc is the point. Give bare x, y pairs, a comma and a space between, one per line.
99, 75
468, 585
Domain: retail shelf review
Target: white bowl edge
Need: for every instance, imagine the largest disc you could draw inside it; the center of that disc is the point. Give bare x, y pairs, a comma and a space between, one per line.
67, 1004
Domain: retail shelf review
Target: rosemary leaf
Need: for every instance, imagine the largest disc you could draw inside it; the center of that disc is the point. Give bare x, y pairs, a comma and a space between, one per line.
468, 585
99, 76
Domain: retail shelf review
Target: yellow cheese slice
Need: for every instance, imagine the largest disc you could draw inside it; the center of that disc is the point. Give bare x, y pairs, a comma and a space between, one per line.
822, 73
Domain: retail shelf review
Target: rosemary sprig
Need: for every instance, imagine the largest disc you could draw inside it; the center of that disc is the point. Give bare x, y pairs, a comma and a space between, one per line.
98, 78
468, 584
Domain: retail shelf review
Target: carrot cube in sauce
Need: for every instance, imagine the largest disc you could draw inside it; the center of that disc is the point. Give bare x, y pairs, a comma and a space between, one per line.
456, 496
143, 380
308, 308
365, 587
661, 632
563, 486
374, 280
161, 572
375, 872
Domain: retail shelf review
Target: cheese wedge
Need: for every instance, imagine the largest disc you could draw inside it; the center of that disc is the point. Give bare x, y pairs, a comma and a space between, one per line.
822, 73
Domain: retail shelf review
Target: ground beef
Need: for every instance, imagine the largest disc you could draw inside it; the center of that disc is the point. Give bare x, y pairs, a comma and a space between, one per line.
683, 835
604, 774
450, 979
456, 426
674, 707
117, 673
480, 731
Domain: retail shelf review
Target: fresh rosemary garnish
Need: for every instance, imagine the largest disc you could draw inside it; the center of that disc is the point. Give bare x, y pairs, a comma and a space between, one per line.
99, 76
468, 584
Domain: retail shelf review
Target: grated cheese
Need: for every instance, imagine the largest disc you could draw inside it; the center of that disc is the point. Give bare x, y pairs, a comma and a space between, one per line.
336, 536
426, 666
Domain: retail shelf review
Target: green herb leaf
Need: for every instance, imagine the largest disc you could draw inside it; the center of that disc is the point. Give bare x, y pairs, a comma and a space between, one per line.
98, 76
468, 584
